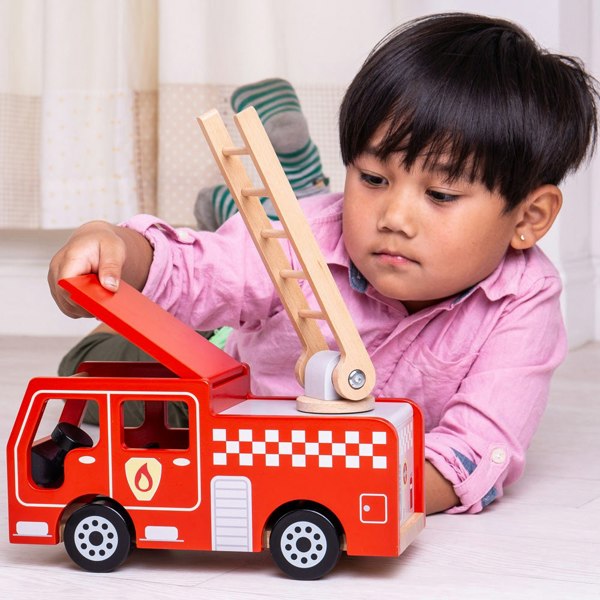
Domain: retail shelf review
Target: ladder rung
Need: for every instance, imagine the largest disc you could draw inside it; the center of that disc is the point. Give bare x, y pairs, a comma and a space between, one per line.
234, 151
273, 233
250, 192
306, 313
291, 274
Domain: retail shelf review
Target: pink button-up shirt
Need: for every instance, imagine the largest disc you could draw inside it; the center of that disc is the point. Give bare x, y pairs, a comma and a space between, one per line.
478, 364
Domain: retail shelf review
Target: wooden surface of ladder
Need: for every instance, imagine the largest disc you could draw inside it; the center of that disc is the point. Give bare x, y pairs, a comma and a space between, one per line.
354, 357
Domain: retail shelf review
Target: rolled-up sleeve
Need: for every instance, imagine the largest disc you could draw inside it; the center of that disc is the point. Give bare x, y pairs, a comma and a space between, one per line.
479, 445
206, 279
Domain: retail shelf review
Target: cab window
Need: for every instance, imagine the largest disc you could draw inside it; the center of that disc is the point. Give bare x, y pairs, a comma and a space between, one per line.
161, 424
58, 433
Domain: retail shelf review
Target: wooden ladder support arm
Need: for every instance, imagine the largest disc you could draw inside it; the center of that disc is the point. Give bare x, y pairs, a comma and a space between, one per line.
269, 248
354, 357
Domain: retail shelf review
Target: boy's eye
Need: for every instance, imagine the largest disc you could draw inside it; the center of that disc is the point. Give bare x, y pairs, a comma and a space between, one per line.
441, 197
373, 180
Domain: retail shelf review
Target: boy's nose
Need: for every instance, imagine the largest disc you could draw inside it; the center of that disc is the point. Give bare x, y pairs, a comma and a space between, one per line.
398, 214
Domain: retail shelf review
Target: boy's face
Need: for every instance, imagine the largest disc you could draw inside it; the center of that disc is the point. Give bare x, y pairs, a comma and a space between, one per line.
418, 237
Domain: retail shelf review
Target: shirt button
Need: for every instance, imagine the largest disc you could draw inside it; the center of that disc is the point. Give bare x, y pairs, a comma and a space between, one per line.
184, 236
498, 456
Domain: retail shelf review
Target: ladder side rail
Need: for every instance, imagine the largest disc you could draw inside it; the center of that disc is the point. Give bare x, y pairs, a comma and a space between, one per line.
354, 355
269, 248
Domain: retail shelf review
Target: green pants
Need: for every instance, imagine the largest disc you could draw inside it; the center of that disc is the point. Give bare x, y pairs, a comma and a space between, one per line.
101, 347
114, 347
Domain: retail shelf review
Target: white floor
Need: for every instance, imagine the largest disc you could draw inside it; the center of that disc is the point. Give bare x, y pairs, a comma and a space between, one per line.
542, 540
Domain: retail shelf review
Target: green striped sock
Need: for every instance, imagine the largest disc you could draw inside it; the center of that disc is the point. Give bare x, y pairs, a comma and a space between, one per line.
278, 107
269, 97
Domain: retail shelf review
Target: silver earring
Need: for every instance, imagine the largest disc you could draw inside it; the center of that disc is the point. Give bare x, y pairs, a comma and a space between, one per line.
522, 237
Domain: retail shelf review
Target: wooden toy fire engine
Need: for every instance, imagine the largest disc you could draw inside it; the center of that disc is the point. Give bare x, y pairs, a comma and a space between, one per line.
307, 478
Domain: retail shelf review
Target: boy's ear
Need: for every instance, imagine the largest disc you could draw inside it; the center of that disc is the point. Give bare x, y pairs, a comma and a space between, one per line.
535, 216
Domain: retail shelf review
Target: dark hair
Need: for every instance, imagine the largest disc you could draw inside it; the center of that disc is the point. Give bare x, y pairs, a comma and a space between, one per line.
478, 94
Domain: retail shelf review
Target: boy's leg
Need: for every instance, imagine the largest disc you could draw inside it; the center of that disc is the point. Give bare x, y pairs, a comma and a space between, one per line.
279, 109
102, 344
105, 344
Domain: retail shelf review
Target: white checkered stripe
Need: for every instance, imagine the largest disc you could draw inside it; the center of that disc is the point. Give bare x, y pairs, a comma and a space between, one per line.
406, 438
274, 448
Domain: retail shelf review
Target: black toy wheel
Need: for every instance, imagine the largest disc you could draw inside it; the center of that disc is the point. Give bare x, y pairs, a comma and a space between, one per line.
305, 544
97, 538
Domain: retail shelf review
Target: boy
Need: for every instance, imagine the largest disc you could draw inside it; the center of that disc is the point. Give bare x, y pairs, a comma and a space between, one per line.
455, 133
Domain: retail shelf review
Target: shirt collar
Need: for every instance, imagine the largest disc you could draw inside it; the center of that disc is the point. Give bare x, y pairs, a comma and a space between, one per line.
503, 281
357, 280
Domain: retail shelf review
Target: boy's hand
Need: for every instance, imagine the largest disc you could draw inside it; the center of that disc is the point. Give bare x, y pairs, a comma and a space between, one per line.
102, 248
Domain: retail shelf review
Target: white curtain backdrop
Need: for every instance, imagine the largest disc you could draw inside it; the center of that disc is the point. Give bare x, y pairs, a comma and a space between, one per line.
98, 98
77, 84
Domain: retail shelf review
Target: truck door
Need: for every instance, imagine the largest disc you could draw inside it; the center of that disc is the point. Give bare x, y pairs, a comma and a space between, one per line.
155, 450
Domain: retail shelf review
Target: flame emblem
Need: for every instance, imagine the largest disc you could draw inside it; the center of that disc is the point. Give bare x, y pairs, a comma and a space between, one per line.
143, 476
143, 479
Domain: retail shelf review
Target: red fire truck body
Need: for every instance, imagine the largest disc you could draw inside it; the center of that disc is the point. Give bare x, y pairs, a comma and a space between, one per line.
246, 473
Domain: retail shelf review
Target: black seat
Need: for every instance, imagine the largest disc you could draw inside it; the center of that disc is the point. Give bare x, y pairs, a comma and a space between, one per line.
48, 457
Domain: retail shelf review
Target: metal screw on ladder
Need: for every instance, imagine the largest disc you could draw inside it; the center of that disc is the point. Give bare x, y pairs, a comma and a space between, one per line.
356, 379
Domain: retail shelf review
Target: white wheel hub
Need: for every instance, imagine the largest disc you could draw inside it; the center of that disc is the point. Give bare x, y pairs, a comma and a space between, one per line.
303, 544
96, 538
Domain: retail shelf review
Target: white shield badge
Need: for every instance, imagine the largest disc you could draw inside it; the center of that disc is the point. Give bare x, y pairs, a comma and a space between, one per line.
143, 477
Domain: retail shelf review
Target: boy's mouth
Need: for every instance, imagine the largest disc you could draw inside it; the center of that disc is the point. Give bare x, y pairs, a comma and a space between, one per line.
392, 257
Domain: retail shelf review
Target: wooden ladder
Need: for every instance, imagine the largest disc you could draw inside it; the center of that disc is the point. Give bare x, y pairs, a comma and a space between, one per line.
353, 374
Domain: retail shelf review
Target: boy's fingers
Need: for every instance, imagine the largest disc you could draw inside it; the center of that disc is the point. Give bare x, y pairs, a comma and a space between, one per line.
69, 308
61, 268
88, 251
72, 265
108, 280
66, 305
95, 247
110, 265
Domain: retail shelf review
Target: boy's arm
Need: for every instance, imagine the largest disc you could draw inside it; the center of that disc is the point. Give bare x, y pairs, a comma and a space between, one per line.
114, 253
480, 441
439, 492
206, 279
